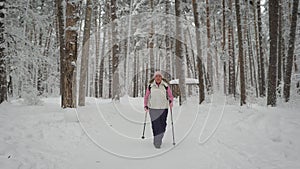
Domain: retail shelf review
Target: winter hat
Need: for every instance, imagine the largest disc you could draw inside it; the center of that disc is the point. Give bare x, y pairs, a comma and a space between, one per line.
157, 73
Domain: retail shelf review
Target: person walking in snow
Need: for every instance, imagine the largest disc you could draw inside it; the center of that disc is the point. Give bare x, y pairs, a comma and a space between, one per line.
157, 99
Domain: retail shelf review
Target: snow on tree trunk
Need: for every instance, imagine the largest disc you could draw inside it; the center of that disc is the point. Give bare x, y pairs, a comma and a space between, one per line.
85, 54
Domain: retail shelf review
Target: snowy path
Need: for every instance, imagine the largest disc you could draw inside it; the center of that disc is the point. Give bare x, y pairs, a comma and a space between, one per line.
109, 136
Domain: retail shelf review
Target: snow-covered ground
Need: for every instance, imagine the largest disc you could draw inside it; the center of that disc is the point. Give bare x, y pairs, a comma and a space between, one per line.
214, 135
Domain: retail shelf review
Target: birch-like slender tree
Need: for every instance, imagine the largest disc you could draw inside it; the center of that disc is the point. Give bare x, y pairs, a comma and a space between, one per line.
85, 53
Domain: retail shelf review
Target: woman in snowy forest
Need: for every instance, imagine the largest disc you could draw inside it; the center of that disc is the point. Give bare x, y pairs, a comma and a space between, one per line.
156, 101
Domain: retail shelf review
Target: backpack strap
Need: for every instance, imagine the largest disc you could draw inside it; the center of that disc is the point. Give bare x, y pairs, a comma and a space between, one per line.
149, 87
166, 87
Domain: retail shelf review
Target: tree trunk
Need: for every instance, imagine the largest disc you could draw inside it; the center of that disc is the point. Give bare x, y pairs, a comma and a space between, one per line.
262, 82
273, 27
134, 75
167, 42
223, 47
257, 49
115, 51
291, 48
128, 49
199, 52
151, 44
188, 62
85, 54
231, 64
250, 50
180, 67
101, 71
216, 56
97, 22
137, 73
241, 57
70, 56
209, 57
61, 40
3, 74
110, 74
279, 47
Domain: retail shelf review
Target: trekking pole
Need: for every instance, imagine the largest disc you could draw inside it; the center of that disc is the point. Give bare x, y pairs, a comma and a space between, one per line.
143, 136
172, 126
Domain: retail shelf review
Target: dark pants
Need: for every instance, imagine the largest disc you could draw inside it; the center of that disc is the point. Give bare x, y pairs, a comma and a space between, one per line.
159, 123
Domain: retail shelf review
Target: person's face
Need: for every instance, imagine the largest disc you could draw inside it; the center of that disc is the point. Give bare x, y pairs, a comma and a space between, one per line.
158, 78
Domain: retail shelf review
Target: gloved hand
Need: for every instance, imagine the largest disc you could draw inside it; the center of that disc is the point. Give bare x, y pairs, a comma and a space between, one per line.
146, 108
